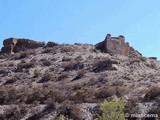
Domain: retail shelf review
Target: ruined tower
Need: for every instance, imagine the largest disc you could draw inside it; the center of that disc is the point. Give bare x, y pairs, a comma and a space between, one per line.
117, 45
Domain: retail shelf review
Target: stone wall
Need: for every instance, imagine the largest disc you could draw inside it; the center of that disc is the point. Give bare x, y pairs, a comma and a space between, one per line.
17, 45
117, 45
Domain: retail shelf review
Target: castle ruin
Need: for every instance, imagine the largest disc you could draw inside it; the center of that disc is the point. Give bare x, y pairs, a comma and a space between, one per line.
15, 45
117, 45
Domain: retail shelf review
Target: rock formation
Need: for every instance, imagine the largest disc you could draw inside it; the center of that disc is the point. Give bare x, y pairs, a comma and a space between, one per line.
16, 45
117, 45
51, 44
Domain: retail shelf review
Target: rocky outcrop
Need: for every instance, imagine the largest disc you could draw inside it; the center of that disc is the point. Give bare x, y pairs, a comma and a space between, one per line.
117, 45
51, 44
16, 45
153, 58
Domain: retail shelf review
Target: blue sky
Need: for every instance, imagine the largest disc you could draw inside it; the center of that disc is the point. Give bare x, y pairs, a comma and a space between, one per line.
83, 21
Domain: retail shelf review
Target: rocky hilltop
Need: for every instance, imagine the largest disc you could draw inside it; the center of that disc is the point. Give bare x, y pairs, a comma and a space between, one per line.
54, 81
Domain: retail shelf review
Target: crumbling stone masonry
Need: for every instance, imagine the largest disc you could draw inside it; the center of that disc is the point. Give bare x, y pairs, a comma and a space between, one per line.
16, 45
117, 45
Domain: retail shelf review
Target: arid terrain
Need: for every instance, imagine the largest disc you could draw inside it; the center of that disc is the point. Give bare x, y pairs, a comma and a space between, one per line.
54, 80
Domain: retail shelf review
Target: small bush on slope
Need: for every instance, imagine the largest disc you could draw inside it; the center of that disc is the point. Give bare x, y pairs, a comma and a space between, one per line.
113, 110
152, 94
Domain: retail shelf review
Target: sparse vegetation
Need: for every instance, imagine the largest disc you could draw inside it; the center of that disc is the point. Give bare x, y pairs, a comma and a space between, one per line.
69, 81
103, 65
3, 96
46, 77
24, 65
24, 54
46, 62
11, 80
73, 66
84, 95
79, 75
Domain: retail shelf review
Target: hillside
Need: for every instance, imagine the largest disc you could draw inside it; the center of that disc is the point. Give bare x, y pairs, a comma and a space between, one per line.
47, 81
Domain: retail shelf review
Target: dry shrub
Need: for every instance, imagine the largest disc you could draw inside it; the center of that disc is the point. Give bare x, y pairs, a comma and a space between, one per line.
118, 83
102, 65
47, 50
11, 64
39, 114
8, 95
153, 65
10, 81
152, 94
66, 59
79, 75
46, 62
76, 87
65, 49
105, 92
24, 54
134, 60
42, 95
131, 107
13, 94
144, 59
21, 55
72, 66
46, 77
13, 113
36, 95
156, 111
4, 55
3, 73
69, 110
37, 74
121, 90
65, 108
3, 95
92, 81
63, 76
110, 91
24, 65
84, 95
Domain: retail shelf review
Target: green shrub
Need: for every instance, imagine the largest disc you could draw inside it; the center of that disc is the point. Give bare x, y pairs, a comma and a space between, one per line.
113, 110
61, 117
